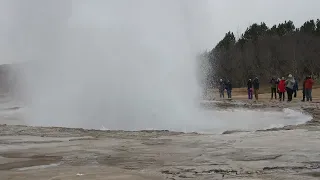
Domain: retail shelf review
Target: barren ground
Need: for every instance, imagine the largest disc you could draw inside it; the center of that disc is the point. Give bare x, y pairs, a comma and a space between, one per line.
53, 153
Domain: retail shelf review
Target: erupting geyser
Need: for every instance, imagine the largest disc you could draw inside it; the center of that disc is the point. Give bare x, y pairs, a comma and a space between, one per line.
119, 63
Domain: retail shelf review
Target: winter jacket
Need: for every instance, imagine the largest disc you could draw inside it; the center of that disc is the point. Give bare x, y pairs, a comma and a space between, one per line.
296, 86
290, 83
256, 84
273, 83
221, 86
249, 84
282, 86
229, 86
309, 83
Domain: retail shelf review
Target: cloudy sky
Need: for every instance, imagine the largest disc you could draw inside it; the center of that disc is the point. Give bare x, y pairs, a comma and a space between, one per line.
222, 15
237, 15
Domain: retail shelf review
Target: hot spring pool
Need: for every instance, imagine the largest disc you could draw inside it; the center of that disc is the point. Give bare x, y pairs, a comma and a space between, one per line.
218, 121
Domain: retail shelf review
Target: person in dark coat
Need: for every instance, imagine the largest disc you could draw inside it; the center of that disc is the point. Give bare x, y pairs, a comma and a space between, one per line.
295, 88
221, 88
256, 86
273, 83
229, 88
304, 90
249, 84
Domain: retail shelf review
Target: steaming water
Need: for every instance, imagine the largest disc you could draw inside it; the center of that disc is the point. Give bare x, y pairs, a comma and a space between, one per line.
235, 119
114, 63
211, 122
120, 64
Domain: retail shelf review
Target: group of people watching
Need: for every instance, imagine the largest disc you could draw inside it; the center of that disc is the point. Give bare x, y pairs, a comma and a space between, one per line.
279, 86
290, 85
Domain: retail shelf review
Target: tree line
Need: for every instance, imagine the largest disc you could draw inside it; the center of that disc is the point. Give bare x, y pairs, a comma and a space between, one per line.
264, 52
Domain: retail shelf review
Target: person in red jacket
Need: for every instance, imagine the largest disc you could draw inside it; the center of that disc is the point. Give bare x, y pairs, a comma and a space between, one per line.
308, 88
282, 89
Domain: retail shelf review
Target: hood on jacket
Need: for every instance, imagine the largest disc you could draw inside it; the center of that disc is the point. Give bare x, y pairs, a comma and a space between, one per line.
291, 78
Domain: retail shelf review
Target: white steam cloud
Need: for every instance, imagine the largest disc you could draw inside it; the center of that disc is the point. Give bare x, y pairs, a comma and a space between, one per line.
121, 64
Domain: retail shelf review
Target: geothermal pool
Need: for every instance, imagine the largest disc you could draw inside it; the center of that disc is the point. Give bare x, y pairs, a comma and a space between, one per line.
248, 120
218, 121
210, 121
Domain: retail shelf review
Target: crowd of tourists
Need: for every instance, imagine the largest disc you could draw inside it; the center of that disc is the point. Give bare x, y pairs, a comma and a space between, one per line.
280, 87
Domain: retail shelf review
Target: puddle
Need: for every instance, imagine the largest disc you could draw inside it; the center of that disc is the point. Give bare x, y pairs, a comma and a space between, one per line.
33, 161
39, 167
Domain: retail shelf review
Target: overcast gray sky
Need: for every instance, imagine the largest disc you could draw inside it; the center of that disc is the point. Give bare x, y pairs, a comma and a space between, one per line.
237, 15
223, 15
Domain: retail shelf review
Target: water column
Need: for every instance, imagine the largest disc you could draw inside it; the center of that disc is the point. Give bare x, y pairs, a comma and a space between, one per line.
36, 33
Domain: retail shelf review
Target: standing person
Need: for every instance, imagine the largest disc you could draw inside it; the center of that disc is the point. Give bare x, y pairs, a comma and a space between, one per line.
221, 88
229, 88
256, 86
304, 89
308, 86
249, 84
295, 88
282, 89
289, 87
273, 83
278, 81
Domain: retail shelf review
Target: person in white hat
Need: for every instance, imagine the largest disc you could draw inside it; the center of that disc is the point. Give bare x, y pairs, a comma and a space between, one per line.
290, 86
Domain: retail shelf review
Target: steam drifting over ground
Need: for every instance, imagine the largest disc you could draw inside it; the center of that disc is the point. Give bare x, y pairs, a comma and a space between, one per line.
112, 63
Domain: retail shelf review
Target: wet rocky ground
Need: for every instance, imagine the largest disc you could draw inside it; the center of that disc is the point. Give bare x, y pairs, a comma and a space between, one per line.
54, 153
